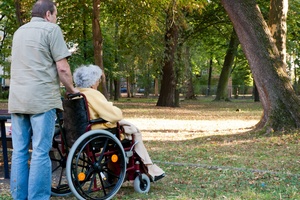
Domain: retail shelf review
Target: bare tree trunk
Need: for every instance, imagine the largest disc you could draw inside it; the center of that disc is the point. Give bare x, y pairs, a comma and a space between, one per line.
222, 89
167, 90
280, 104
98, 42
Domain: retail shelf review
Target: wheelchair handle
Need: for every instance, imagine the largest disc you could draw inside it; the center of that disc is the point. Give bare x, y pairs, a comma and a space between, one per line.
71, 96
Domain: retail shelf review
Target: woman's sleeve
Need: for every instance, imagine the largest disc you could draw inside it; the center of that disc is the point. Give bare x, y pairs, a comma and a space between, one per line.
105, 109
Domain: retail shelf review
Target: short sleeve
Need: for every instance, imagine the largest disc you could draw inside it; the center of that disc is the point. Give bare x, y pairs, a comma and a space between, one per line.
58, 47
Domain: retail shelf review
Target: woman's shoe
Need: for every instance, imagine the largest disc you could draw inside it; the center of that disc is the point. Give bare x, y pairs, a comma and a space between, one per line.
156, 178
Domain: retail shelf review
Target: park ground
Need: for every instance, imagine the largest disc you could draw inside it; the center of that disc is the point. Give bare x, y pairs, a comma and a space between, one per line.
210, 151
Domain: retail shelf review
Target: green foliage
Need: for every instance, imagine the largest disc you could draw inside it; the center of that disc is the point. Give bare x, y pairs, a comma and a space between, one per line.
293, 44
133, 32
242, 80
77, 30
241, 73
7, 27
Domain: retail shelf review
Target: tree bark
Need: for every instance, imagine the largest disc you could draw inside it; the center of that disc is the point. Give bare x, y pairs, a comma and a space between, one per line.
156, 87
98, 42
168, 86
280, 104
222, 89
255, 92
116, 81
277, 25
117, 89
190, 93
19, 14
209, 78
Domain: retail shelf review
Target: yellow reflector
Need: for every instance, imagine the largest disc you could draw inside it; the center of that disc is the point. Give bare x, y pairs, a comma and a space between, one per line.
81, 176
114, 158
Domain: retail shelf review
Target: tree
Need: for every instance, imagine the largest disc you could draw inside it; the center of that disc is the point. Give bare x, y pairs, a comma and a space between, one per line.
277, 25
281, 106
98, 42
176, 28
209, 30
168, 85
138, 41
190, 93
293, 43
227, 68
20, 18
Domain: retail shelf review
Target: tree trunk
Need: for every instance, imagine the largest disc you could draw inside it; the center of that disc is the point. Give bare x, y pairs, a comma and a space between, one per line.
116, 80
167, 90
156, 87
117, 89
98, 42
255, 92
128, 87
209, 78
222, 89
179, 64
277, 25
84, 18
19, 14
280, 104
190, 93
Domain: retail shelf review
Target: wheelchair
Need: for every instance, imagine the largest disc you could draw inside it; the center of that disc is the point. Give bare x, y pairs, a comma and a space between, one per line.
92, 164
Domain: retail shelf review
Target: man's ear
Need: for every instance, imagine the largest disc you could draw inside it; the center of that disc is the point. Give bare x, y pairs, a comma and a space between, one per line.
47, 16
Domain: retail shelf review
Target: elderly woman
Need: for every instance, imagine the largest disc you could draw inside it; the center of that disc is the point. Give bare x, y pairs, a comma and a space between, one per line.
87, 79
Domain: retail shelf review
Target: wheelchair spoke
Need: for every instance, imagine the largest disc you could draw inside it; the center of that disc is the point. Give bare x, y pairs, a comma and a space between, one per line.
104, 149
59, 185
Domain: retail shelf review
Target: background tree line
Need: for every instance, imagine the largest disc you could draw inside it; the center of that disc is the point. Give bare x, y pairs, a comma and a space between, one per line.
167, 47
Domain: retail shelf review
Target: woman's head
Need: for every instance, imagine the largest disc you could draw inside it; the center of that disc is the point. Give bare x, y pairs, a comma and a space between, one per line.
87, 75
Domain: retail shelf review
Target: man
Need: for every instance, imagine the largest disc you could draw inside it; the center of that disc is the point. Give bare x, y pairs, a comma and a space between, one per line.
39, 64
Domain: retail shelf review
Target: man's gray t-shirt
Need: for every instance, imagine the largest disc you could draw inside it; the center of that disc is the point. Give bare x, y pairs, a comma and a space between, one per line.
34, 84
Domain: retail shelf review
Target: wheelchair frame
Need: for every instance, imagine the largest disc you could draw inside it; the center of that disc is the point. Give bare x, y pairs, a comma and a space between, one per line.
98, 162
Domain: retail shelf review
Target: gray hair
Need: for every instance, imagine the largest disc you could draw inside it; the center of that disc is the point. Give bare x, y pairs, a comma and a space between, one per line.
86, 76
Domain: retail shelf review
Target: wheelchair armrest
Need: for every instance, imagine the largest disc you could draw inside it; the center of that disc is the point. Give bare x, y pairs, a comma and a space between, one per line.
100, 120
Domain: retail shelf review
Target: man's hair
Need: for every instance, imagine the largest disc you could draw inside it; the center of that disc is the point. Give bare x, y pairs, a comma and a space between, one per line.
41, 7
87, 75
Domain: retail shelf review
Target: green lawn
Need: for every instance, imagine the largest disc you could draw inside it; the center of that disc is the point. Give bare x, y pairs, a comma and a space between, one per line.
213, 161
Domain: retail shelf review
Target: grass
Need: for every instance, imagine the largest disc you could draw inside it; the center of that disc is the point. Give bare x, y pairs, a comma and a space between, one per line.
209, 152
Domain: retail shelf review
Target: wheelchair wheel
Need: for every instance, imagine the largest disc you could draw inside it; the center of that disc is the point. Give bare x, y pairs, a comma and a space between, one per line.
58, 158
141, 183
96, 165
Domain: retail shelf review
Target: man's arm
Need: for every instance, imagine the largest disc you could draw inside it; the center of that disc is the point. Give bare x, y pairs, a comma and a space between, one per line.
65, 76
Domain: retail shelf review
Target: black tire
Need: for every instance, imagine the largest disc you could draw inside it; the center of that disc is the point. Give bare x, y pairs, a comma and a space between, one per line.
142, 184
91, 173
